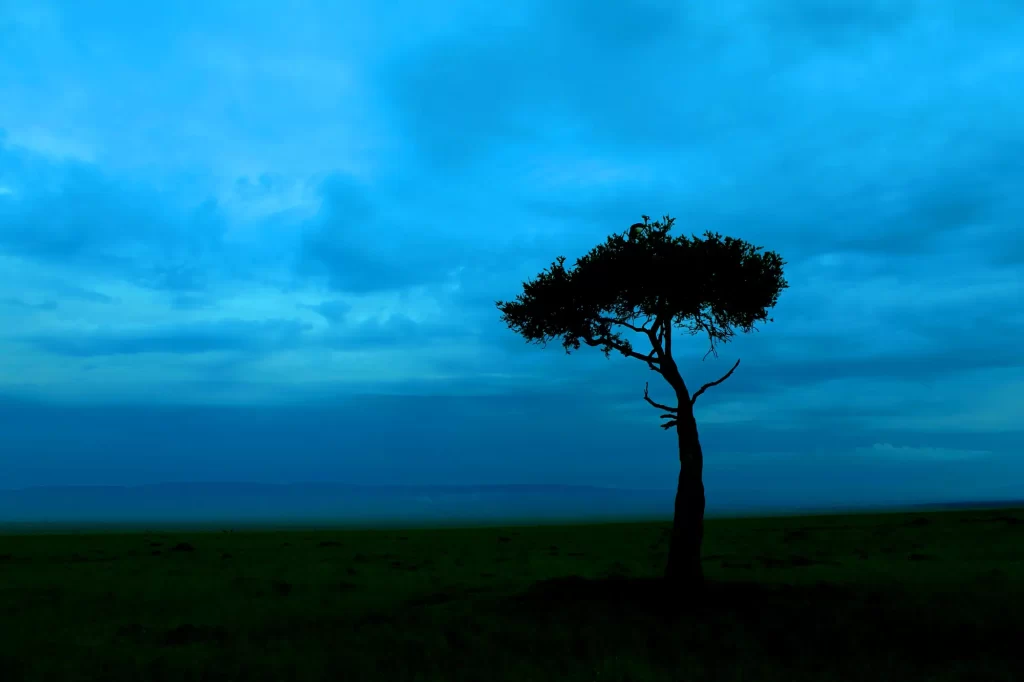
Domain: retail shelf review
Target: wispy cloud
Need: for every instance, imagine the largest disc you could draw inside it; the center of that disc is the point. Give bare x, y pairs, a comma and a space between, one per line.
888, 450
202, 337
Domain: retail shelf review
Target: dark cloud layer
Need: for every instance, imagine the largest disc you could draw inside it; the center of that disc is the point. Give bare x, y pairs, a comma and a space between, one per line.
325, 218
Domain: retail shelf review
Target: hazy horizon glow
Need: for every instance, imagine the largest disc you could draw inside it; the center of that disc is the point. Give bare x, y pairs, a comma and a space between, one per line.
264, 244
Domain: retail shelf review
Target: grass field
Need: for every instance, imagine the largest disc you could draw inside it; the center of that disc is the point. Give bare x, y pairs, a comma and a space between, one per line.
921, 596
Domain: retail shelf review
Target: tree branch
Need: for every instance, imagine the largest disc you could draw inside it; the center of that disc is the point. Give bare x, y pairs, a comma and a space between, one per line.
713, 383
632, 327
659, 324
659, 405
651, 358
640, 330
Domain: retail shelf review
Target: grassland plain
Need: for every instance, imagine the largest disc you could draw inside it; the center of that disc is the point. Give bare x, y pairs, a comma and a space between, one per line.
915, 596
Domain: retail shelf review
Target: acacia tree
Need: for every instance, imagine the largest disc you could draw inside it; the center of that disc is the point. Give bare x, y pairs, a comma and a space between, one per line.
646, 283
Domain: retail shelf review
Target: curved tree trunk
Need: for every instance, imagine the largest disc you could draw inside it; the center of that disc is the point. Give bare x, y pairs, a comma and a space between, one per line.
684, 565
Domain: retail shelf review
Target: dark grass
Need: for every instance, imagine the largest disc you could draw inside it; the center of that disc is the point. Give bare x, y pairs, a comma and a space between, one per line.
918, 596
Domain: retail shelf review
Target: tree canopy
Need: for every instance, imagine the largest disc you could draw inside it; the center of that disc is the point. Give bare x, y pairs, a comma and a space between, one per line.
648, 281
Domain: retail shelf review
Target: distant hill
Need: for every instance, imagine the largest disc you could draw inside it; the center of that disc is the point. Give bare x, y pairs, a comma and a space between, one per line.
986, 504
361, 505
324, 502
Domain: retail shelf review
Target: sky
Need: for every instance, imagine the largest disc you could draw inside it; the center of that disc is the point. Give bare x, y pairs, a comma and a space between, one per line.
262, 241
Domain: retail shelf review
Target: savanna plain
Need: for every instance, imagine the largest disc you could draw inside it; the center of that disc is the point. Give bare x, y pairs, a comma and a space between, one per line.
908, 596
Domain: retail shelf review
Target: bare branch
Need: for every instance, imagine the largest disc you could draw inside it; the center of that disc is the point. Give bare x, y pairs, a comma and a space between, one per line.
628, 352
713, 383
627, 325
643, 329
651, 359
659, 405
707, 326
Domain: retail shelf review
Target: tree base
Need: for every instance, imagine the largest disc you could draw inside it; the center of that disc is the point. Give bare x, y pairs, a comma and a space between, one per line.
685, 588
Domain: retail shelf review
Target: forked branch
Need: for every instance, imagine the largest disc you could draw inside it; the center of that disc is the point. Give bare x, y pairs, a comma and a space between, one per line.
671, 410
669, 424
651, 359
642, 329
713, 383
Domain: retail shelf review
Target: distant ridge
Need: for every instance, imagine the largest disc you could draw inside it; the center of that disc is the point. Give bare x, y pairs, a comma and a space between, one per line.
324, 502
325, 486
988, 504
321, 503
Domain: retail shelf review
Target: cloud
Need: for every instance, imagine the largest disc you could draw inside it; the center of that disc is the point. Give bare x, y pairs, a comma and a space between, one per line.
359, 243
397, 330
808, 145
890, 451
201, 337
46, 144
74, 216
334, 311
73, 292
261, 187
28, 305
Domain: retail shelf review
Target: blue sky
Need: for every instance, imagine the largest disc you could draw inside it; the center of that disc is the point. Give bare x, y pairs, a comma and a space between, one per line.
253, 242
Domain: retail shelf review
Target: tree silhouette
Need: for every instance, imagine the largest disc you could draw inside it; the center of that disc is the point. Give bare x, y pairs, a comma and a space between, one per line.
647, 282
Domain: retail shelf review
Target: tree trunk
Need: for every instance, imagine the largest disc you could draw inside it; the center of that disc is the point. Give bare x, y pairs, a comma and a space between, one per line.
684, 568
